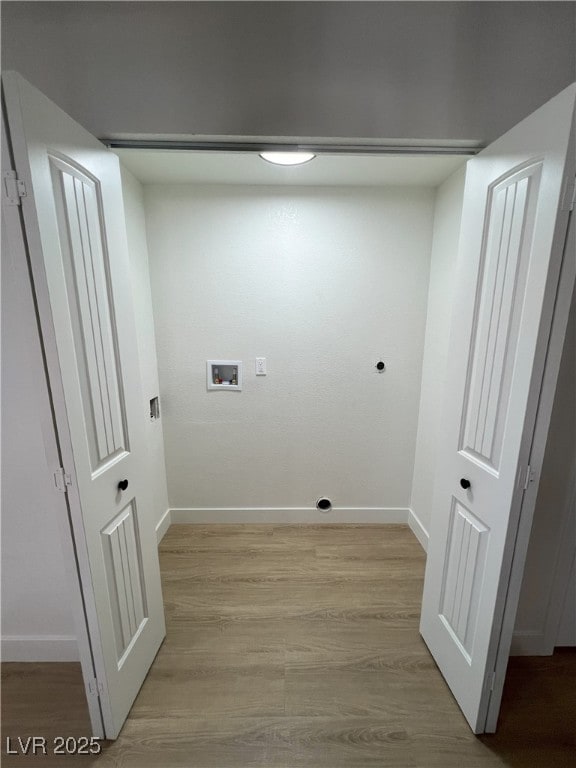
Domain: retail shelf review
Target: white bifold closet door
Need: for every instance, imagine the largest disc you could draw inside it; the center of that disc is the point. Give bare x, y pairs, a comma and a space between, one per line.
75, 229
514, 222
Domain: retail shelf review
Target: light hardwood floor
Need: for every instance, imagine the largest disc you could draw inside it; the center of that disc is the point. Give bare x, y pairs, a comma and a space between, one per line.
298, 646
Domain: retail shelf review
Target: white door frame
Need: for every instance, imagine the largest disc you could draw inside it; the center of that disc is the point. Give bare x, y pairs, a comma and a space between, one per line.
59, 453
543, 400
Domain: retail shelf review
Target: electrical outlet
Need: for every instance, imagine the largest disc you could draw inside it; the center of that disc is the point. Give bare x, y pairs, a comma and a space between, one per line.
260, 366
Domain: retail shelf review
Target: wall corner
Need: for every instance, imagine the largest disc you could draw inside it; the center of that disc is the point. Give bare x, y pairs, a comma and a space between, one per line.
415, 525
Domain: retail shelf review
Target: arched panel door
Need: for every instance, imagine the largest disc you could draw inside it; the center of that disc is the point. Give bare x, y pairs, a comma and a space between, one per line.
514, 224
74, 219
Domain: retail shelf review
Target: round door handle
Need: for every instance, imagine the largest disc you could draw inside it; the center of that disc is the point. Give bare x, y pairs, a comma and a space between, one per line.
465, 483
122, 485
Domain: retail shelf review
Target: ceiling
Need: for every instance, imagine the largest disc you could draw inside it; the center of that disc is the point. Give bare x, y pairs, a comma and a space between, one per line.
165, 166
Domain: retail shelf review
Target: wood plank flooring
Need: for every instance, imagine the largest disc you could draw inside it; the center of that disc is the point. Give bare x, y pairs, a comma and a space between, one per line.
298, 647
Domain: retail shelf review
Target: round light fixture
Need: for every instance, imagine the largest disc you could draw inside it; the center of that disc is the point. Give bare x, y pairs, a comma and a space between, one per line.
287, 158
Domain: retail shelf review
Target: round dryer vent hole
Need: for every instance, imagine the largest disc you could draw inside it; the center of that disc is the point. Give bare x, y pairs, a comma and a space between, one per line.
324, 505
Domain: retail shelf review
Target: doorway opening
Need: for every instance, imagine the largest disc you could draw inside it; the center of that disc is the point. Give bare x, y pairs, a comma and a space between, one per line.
284, 251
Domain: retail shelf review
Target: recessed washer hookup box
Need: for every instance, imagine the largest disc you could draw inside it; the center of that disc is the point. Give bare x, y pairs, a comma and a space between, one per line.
224, 374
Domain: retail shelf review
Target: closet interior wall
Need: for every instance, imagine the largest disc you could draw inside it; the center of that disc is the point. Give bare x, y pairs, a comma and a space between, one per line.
323, 282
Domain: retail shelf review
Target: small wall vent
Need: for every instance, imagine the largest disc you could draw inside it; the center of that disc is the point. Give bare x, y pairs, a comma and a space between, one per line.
324, 505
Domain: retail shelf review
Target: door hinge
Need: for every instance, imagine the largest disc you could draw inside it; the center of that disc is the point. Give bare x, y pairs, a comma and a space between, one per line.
529, 477
14, 188
94, 687
570, 196
490, 681
62, 480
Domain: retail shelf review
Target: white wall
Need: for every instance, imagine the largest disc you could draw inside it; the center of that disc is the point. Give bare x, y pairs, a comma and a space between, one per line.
546, 539
142, 297
323, 283
467, 70
447, 215
37, 620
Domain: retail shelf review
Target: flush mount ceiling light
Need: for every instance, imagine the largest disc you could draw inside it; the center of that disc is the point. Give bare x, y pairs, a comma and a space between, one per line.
287, 158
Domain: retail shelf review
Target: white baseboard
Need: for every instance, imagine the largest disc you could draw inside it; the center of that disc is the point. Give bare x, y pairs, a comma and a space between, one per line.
529, 643
39, 648
290, 515
163, 524
418, 529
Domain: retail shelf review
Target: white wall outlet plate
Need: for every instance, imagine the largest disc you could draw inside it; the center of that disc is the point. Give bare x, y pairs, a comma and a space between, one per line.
224, 374
260, 366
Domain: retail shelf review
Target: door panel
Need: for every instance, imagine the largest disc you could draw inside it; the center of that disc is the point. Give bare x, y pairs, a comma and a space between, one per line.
463, 575
74, 220
124, 575
80, 222
510, 253
503, 270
